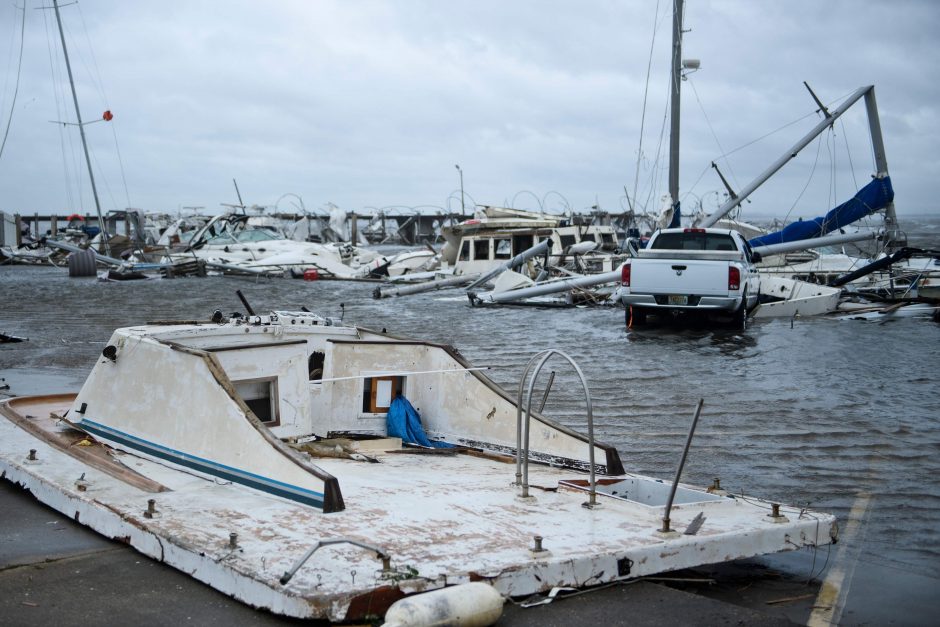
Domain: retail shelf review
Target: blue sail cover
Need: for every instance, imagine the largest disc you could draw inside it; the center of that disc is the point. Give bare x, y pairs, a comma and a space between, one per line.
874, 196
404, 422
676, 217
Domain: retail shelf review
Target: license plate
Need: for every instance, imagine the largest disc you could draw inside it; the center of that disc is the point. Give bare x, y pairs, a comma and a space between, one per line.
678, 299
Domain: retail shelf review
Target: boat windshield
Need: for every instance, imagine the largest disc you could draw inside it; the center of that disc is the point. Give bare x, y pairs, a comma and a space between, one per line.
256, 235
222, 238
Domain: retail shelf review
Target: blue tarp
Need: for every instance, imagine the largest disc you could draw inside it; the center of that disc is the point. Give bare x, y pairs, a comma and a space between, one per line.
874, 196
405, 423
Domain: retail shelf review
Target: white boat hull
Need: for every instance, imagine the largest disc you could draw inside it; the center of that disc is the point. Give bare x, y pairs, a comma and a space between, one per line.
797, 298
443, 519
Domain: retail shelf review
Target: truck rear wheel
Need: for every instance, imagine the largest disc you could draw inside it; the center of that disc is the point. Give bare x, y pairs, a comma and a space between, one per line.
637, 316
739, 320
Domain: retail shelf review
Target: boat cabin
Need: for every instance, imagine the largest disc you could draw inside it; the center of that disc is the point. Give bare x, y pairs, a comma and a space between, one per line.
231, 392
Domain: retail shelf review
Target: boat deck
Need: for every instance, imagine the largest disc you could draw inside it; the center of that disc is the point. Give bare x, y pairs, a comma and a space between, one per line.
442, 518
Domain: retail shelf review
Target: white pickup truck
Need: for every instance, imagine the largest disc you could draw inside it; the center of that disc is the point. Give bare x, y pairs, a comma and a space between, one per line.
691, 270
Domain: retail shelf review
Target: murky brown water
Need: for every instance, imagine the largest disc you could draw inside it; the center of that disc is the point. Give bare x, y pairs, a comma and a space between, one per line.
818, 413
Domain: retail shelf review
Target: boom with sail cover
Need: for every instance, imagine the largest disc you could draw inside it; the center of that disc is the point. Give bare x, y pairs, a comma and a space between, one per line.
876, 195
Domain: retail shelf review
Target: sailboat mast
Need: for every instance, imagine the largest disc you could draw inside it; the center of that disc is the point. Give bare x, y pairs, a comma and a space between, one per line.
81, 130
674, 121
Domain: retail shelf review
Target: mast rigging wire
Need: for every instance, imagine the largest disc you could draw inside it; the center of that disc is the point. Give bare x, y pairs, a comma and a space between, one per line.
101, 91
52, 49
649, 67
16, 89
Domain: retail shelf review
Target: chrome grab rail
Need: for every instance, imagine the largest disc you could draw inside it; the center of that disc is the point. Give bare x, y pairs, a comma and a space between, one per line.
522, 470
380, 552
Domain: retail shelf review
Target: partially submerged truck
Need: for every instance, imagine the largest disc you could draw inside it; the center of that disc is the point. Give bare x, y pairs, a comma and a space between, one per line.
691, 270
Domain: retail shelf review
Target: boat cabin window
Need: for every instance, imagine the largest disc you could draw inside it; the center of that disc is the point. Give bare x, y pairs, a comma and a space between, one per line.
521, 243
261, 397
587, 237
315, 365
481, 249
503, 249
608, 241
566, 241
378, 393
465, 250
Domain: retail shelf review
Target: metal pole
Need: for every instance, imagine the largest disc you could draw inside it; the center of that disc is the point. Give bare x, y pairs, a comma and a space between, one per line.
548, 389
550, 287
685, 452
814, 242
881, 163
675, 103
81, 130
782, 161
463, 210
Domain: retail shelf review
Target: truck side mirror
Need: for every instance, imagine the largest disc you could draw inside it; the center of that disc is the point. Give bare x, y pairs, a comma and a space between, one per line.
756, 257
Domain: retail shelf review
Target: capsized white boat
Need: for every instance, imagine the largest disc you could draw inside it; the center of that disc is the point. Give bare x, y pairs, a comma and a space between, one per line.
191, 438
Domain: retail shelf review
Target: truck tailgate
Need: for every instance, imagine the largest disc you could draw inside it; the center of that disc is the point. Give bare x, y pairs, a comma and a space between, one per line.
675, 276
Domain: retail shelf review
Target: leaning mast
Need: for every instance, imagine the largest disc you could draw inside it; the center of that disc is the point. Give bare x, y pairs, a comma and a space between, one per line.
81, 130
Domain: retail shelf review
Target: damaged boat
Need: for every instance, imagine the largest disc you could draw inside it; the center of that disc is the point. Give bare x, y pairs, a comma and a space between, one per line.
263, 456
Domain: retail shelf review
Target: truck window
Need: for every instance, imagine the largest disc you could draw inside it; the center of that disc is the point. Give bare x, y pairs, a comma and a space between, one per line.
691, 240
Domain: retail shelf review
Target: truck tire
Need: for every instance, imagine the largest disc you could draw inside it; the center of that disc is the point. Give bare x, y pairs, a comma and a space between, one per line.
739, 320
637, 316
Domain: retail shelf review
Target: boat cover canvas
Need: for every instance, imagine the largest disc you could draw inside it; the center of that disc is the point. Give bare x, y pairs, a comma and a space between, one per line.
405, 423
676, 221
874, 196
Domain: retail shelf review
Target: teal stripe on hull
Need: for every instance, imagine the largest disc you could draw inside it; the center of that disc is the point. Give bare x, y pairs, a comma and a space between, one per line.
235, 475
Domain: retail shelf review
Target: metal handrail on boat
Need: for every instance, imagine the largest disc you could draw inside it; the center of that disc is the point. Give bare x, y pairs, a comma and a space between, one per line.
380, 552
522, 469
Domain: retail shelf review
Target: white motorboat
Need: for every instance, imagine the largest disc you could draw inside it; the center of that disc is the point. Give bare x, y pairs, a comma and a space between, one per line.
263, 456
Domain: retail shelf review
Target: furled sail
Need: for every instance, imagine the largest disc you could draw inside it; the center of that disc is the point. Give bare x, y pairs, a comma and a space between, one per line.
874, 196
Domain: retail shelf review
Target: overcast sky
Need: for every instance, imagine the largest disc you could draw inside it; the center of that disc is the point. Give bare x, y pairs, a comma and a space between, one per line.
372, 104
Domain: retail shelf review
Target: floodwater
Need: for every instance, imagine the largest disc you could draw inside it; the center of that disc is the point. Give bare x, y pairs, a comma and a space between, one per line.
841, 416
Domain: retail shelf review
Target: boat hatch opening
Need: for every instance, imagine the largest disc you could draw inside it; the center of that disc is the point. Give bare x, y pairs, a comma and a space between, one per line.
315, 365
378, 393
648, 492
261, 397
481, 249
